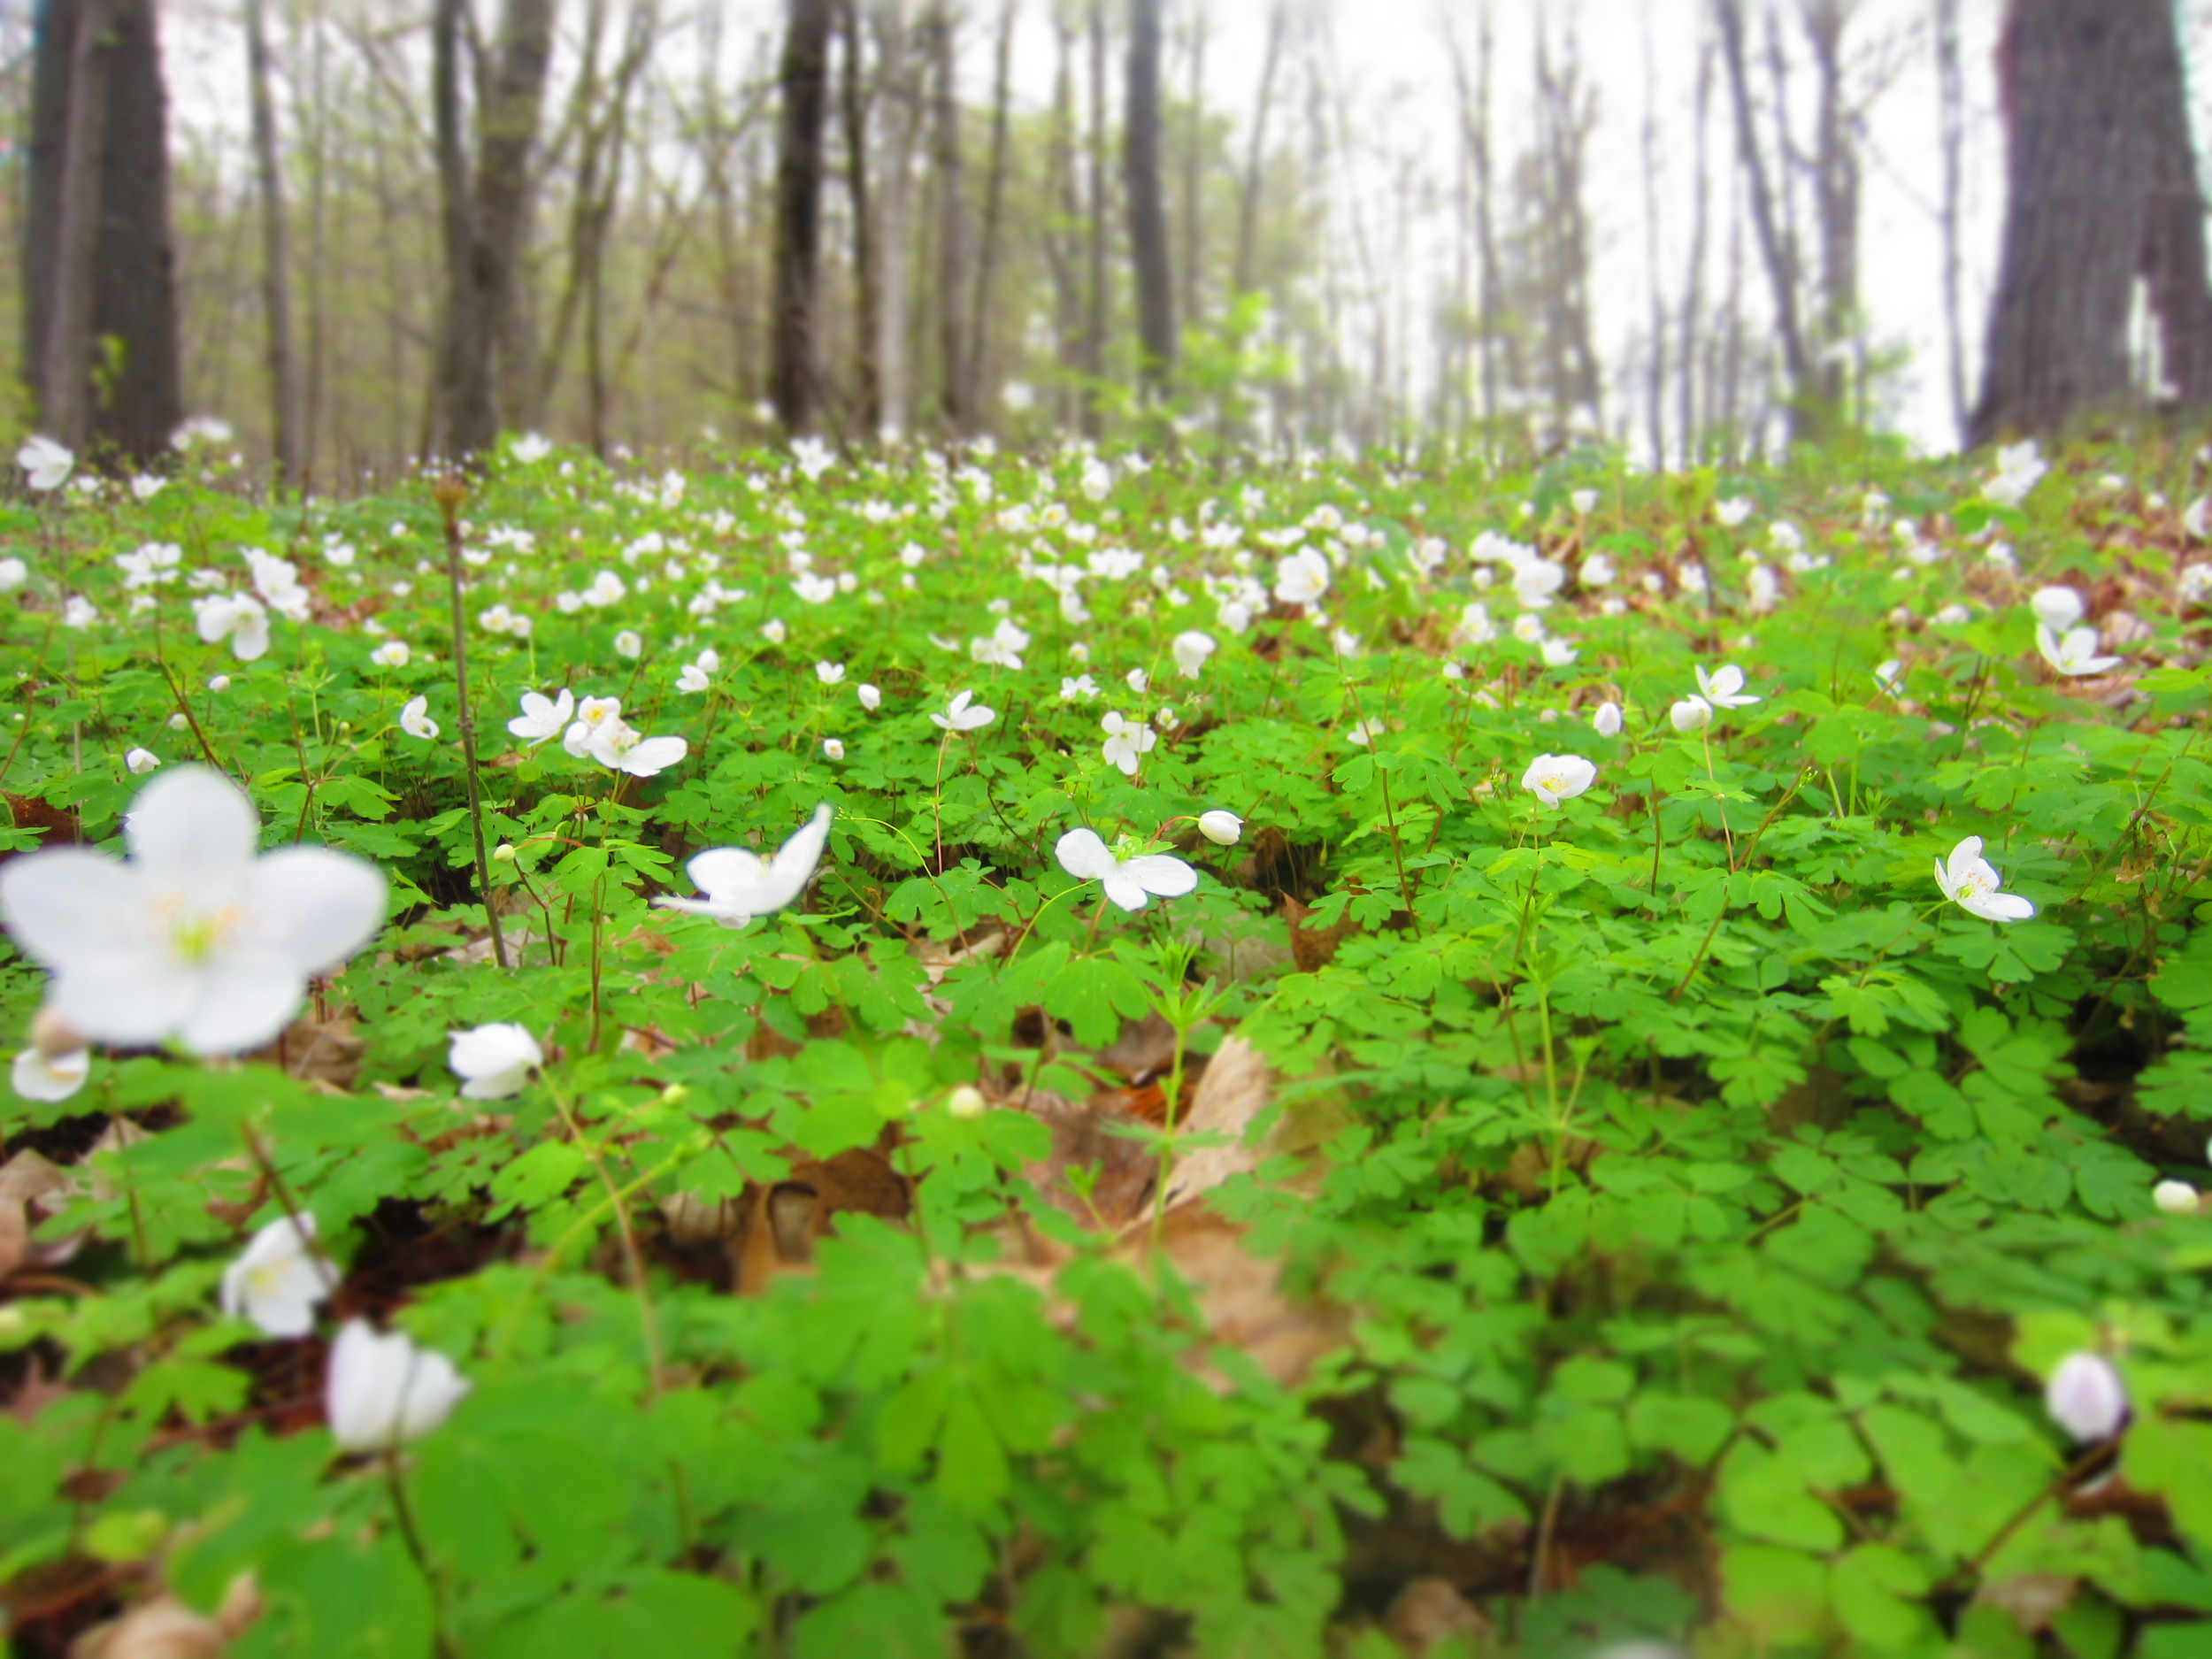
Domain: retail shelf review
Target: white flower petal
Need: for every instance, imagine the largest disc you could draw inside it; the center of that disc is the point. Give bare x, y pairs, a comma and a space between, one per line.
314, 906
189, 826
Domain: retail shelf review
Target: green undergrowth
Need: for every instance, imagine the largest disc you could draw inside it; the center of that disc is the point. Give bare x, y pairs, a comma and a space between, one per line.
1679, 1203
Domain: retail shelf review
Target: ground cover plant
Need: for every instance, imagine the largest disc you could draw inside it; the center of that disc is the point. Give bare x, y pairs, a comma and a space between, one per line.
1074, 1056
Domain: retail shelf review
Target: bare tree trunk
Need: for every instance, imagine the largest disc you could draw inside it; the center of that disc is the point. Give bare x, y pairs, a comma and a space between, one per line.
899, 127
1193, 168
1094, 304
63, 347
1692, 324
950, 156
1061, 235
993, 210
1835, 198
1147, 201
1655, 383
794, 385
867, 323
2173, 266
461, 410
1773, 250
1951, 106
1255, 153
507, 132
2090, 84
276, 246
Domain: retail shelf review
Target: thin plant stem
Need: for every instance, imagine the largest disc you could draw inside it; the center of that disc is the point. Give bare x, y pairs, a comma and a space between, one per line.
450, 494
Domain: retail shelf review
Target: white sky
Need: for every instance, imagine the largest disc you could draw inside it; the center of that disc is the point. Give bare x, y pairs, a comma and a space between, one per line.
1399, 74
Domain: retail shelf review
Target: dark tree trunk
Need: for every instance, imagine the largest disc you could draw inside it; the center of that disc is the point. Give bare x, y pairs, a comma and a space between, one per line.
100, 344
1775, 249
507, 133
2101, 189
793, 384
461, 410
867, 289
1147, 199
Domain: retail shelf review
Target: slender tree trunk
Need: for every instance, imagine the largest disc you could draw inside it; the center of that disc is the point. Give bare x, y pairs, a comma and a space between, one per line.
1095, 303
1951, 113
64, 344
1773, 249
1691, 328
1062, 234
1255, 153
1655, 381
867, 330
993, 210
2094, 111
1143, 180
899, 126
793, 384
949, 156
1835, 198
276, 253
461, 409
1193, 169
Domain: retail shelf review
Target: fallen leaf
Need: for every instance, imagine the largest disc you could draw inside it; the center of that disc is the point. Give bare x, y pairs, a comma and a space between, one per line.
1233, 1092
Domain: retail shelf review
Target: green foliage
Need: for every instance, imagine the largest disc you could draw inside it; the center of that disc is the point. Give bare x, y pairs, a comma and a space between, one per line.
1675, 1203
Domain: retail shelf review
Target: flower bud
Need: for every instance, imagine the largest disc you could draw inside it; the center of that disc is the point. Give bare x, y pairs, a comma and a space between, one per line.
503, 854
675, 1094
2175, 1198
1692, 714
1607, 718
2086, 1398
1221, 827
966, 1101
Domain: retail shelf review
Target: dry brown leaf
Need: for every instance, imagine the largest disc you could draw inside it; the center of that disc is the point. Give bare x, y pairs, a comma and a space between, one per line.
1241, 1295
31, 1189
318, 1050
1429, 1612
1235, 1091
1126, 1168
163, 1627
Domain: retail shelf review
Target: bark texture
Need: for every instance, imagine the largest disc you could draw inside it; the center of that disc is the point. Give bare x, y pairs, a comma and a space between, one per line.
2101, 189
1146, 188
100, 341
794, 379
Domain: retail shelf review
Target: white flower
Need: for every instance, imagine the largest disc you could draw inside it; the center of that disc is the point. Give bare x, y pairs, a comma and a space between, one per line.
530, 448
13, 573
414, 719
958, 717
2075, 654
195, 937
1558, 653
629, 644
691, 677
40, 1075
834, 748
2086, 1398
1733, 511
542, 716
2057, 609
383, 1391
1191, 651
1723, 687
1536, 580
605, 736
1583, 500
829, 673
1223, 828
1082, 688
1556, 778
79, 613
391, 654
218, 683
1302, 578
1607, 720
1138, 681
2175, 1198
773, 632
46, 461
871, 699
1365, 731
739, 884
494, 1061
1691, 714
1126, 742
1890, 676
1130, 882
276, 1282
238, 618
1968, 881
2194, 520
2019, 469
